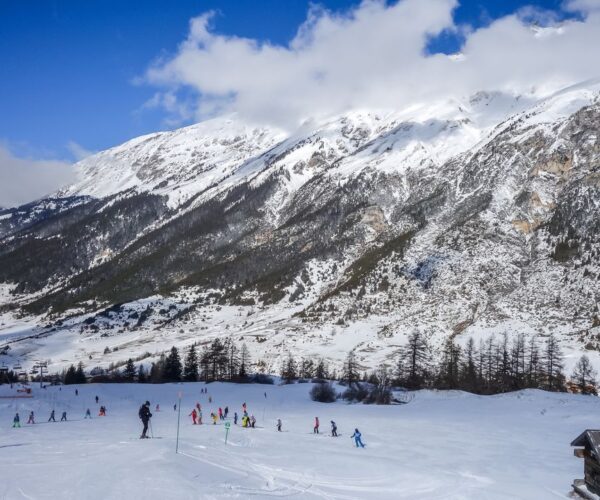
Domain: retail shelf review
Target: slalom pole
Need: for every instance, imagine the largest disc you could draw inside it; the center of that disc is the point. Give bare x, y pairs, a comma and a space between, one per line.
227, 426
178, 418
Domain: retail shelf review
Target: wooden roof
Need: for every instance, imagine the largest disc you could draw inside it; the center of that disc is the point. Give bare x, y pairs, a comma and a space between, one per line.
590, 437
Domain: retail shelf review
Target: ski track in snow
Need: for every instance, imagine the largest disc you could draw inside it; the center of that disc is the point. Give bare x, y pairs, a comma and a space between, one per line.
443, 445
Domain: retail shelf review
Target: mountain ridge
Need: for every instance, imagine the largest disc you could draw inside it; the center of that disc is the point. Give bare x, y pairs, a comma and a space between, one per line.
344, 235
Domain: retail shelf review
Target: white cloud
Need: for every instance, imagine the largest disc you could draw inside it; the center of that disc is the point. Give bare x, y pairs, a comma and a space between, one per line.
372, 56
78, 151
25, 179
585, 6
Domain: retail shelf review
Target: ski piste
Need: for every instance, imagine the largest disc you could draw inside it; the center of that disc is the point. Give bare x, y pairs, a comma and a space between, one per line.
263, 462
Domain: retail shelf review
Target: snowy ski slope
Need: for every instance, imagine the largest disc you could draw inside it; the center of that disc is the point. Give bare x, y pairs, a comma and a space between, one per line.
442, 445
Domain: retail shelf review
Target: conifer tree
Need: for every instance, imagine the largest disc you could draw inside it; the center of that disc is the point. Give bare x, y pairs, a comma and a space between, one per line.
554, 365
584, 376
350, 374
190, 371
141, 376
70, 376
172, 369
245, 362
129, 371
414, 360
288, 370
80, 377
321, 372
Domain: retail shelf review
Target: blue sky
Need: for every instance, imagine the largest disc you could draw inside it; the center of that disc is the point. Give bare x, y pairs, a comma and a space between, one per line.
68, 67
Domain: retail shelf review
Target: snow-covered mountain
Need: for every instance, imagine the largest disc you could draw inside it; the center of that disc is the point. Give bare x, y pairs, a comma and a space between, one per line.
461, 218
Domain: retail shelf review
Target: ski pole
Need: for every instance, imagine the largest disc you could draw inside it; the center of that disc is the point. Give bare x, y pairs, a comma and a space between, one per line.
178, 417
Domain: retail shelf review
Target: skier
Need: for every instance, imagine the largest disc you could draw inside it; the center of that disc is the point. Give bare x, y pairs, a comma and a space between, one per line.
194, 415
145, 416
199, 417
76, 392
17, 421
214, 418
316, 427
102, 412
265, 395
244, 407
235, 418
333, 429
157, 407
52, 417
97, 400
210, 399
252, 421
175, 407
198, 407
226, 411
64, 416
357, 439
88, 414
31, 419
279, 425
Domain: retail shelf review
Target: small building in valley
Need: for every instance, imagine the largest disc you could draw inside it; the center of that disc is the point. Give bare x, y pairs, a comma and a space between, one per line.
588, 448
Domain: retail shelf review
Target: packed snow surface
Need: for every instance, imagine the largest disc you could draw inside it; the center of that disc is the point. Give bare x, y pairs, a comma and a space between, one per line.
441, 445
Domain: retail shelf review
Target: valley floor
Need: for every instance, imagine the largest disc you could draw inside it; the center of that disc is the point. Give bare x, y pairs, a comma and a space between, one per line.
442, 445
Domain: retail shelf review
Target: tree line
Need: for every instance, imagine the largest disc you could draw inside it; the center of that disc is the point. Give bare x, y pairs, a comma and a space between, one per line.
494, 365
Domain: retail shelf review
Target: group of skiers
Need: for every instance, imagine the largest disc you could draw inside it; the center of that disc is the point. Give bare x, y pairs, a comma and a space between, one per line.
52, 418
246, 420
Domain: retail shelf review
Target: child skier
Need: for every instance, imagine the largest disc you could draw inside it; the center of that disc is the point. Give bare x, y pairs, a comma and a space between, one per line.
333, 429
31, 419
316, 427
214, 418
220, 413
17, 421
194, 416
52, 417
357, 439
252, 421
199, 417
64, 416
226, 411
235, 417
88, 414
279, 425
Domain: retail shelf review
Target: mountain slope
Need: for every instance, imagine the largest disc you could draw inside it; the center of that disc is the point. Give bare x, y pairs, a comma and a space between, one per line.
460, 219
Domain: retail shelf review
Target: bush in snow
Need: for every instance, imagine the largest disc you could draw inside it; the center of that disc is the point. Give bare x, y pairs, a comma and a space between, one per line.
323, 393
261, 378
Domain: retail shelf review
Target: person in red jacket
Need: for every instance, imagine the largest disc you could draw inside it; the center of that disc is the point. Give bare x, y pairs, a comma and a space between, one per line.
194, 416
316, 427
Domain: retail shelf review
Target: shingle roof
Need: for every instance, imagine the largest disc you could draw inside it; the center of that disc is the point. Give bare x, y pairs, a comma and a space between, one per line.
591, 437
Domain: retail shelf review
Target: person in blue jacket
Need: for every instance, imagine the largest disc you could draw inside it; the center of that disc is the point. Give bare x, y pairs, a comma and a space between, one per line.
357, 439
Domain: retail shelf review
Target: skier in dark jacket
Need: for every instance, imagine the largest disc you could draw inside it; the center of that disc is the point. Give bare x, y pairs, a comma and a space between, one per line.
145, 416
17, 421
52, 417
333, 429
64, 416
